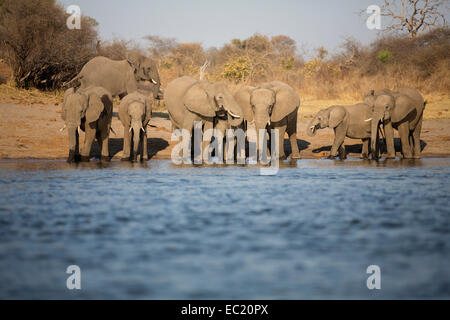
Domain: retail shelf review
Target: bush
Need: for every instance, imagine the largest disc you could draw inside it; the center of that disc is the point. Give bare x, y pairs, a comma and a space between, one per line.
384, 56
38, 46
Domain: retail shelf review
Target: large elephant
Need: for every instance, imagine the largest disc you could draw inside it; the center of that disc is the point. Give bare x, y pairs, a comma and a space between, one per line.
273, 105
401, 110
346, 121
189, 100
135, 111
120, 77
91, 110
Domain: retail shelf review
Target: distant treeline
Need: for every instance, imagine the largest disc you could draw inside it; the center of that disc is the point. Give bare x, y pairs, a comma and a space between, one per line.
43, 53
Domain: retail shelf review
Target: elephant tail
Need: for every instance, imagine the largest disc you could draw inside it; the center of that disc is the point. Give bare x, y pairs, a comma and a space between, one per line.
425, 104
75, 82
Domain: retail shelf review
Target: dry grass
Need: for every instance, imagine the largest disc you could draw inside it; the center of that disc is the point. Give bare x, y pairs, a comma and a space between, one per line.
11, 94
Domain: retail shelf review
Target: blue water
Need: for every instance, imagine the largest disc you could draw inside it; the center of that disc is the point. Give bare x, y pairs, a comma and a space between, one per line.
159, 231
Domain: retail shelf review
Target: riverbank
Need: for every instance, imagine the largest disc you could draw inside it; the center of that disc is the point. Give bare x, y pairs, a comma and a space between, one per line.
31, 131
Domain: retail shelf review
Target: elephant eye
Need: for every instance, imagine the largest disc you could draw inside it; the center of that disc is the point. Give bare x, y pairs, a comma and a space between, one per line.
387, 107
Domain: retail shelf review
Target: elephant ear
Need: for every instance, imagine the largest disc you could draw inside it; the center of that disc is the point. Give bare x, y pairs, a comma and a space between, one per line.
402, 108
242, 97
286, 101
336, 116
123, 111
135, 59
95, 108
148, 110
197, 100
67, 93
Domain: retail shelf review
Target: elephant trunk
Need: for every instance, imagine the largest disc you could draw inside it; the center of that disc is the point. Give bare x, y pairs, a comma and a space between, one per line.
235, 114
261, 133
136, 126
376, 121
311, 129
73, 143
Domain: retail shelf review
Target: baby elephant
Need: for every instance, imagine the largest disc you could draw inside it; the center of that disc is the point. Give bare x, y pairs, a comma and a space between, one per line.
91, 110
135, 111
347, 121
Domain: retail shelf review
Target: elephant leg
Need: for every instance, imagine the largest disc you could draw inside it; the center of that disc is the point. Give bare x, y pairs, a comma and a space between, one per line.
104, 142
126, 143
342, 152
403, 130
208, 125
292, 133
144, 146
188, 125
90, 132
281, 132
365, 149
416, 136
339, 136
389, 135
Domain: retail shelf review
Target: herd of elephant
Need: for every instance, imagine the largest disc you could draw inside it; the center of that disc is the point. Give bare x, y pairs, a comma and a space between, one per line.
88, 105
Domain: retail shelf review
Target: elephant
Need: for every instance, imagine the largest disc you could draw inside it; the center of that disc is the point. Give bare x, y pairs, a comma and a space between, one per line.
135, 111
91, 110
273, 105
120, 77
189, 100
346, 121
401, 110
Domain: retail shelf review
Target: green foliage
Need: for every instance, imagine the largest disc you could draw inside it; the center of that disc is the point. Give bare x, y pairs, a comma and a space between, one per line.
384, 56
237, 69
287, 63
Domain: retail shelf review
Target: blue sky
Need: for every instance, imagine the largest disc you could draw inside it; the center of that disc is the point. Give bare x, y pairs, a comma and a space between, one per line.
310, 23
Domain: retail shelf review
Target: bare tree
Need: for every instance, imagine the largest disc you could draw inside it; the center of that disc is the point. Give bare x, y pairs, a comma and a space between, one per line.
414, 16
160, 46
203, 69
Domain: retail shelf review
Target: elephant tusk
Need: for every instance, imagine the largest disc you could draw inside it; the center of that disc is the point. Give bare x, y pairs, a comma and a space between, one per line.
312, 128
268, 122
153, 81
142, 129
130, 129
62, 129
367, 120
233, 115
78, 129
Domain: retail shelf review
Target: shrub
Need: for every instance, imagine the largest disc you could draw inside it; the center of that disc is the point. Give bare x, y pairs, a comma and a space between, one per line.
384, 56
38, 46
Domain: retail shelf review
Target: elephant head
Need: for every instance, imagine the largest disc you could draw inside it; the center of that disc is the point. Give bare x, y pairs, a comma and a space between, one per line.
267, 104
211, 99
146, 70
135, 112
326, 118
81, 108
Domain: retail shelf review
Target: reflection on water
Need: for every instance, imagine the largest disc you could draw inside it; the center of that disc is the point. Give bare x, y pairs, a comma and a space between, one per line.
157, 230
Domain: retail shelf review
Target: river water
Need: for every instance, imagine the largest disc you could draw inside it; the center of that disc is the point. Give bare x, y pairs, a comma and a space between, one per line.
161, 231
